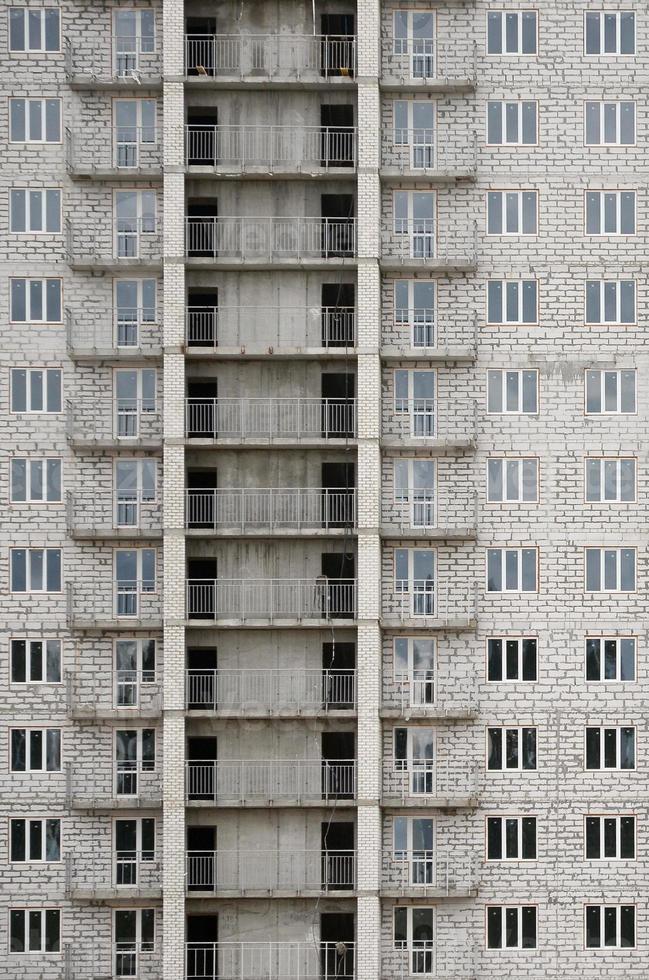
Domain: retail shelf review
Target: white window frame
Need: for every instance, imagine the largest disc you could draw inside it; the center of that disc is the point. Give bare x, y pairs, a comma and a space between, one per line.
28, 641
129, 326
603, 553
504, 909
504, 213
41, 951
423, 600
603, 285
621, 374
605, 463
127, 61
602, 729
139, 590
518, 53
522, 374
46, 729
28, 139
132, 146
618, 925
141, 231
133, 410
618, 195
603, 103
617, 818
130, 504
29, 371
504, 818
421, 501
132, 950
421, 322
421, 141
28, 821
129, 768
28, 13
421, 411
505, 729
515, 464
142, 678
29, 211
29, 590
29, 279
421, 683
520, 103
422, 62
421, 233
131, 861
421, 863
31, 462
519, 552
618, 34
519, 640
519, 286
604, 639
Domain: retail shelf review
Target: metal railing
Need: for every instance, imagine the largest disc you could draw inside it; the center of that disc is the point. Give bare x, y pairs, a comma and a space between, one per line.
252, 781
122, 239
99, 62
271, 599
88, 694
270, 690
270, 509
270, 870
127, 329
421, 58
271, 147
421, 149
428, 510
427, 871
271, 327
270, 238
287, 56
91, 602
112, 780
421, 240
129, 148
439, 602
270, 418
418, 328
122, 869
123, 418
89, 511
405, 779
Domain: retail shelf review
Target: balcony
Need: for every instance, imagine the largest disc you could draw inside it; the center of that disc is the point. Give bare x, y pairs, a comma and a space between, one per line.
443, 959
419, 244
127, 332
262, 873
258, 242
310, 960
271, 692
132, 514
429, 423
443, 694
429, 514
274, 511
269, 782
123, 422
107, 877
421, 153
278, 601
246, 331
129, 152
412, 64
270, 150
427, 874
93, 605
124, 694
417, 332
127, 243
431, 605
121, 64
103, 961
426, 783
270, 59
268, 421
129, 785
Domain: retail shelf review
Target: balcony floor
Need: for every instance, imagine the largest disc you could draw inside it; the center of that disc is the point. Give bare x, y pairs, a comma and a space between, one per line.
108, 263
251, 82
283, 804
431, 713
86, 625
260, 893
112, 354
116, 896
79, 172
398, 83
273, 624
428, 623
252, 353
280, 532
459, 802
464, 533
279, 713
286, 172
77, 713
432, 177
430, 446
462, 355
108, 83
108, 804
254, 442
430, 891
258, 263
114, 533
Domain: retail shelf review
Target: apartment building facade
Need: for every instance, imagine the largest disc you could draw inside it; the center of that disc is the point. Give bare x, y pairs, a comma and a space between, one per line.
323, 563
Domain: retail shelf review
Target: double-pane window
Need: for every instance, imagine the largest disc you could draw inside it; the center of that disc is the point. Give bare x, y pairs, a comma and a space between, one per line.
511, 658
414, 579
414, 39
414, 131
36, 390
35, 749
512, 569
511, 749
135, 127
511, 838
35, 480
511, 123
34, 29
610, 569
35, 569
512, 212
35, 120
34, 840
35, 301
512, 392
35, 211
36, 661
414, 309
610, 658
34, 931
609, 123
511, 32
610, 747
610, 301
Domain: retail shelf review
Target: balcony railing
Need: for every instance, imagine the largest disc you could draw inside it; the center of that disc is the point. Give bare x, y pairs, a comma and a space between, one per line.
270, 418
418, 328
133, 420
420, 59
270, 509
426, 779
272, 148
124, 513
421, 241
270, 327
429, 511
270, 870
99, 872
102, 63
430, 693
255, 782
124, 330
270, 599
453, 422
270, 239
422, 149
124, 240
127, 148
114, 784
91, 603
423, 600
422, 872
270, 691
276, 57
93, 694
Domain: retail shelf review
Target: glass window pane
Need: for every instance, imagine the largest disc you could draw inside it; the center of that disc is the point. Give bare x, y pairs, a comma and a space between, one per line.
512, 134
494, 123
495, 479
529, 302
495, 301
52, 39
53, 661
528, 31
627, 123
53, 211
494, 928
529, 212
18, 570
627, 385
530, 405
18, 120
494, 214
627, 659
18, 211
53, 560
593, 302
16, 29
53, 120
627, 32
494, 33
495, 748
529, 122
494, 570
52, 840
592, 123
529, 660
53, 750
53, 391
52, 930
19, 661
494, 391
494, 659
53, 479
19, 479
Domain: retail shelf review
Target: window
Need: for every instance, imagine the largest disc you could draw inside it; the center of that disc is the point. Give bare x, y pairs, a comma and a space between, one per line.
413, 932
135, 575
414, 755
610, 658
512, 301
134, 32
35, 839
512, 480
35, 120
610, 748
35, 480
34, 931
134, 842
512, 392
610, 926
609, 32
610, 480
610, 301
36, 301
135, 395
134, 666
35, 211
34, 29
35, 569
35, 390
512, 212
610, 392
512, 569
414, 216
414, 490
609, 123
413, 843
135, 305
414, 131
135, 484
511, 838
414, 39
511, 927
610, 212
511, 32
414, 666
414, 396
511, 748
135, 216
134, 754
511, 123
414, 579
610, 569
609, 838
511, 658
135, 126
36, 661
134, 933
414, 308
35, 750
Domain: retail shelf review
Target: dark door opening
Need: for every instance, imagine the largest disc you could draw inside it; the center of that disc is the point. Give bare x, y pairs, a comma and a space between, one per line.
339, 478
201, 408
340, 568
337, 842
338, 753
201, 767
200, 45
337, 212
201, 858
201, 678
337, 945
338, 392
337, 137
201, 146
337, 47
202, 213
201, 498
202, 947
339, 674
338, 303
202, 317
201, 588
